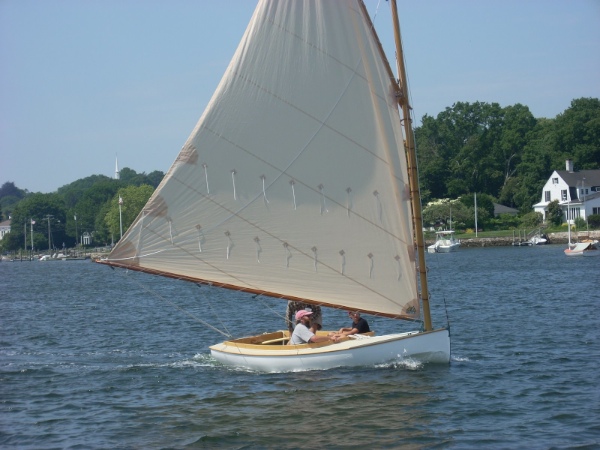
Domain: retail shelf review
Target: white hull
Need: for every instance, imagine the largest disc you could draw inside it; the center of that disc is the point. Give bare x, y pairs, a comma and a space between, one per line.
442, 248
586, 253
537, 241
431, 347
445, 242
583, 249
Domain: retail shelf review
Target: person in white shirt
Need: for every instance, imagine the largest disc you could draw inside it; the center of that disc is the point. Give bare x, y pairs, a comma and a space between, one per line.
302, 333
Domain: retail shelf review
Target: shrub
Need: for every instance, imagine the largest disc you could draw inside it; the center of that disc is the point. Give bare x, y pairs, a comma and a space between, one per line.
580, 223
594, 221
532, 220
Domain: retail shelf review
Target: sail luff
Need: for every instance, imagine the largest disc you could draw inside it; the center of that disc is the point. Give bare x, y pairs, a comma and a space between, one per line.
403, 100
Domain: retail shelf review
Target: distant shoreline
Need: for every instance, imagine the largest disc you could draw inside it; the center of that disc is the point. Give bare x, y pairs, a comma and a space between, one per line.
553, 238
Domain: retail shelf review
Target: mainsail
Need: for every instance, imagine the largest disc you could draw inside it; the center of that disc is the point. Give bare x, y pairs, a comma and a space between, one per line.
294, 182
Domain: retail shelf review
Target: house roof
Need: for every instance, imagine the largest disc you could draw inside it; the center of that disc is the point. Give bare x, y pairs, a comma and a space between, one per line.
6, 223
588, 197
501, 209
592, 177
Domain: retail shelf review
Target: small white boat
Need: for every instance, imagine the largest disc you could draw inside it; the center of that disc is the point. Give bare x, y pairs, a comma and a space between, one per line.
588, 247
583, 249
55, 257
538, 240
445, 242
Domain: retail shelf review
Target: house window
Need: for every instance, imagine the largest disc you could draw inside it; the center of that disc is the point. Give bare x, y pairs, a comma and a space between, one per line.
547, 196
573, 213
554, 180
563, 194
596, 211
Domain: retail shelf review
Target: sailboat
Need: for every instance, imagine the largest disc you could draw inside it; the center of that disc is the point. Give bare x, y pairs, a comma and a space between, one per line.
588, 247
300, 183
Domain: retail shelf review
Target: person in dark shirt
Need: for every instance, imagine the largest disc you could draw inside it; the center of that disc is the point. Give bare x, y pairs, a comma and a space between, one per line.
358, 325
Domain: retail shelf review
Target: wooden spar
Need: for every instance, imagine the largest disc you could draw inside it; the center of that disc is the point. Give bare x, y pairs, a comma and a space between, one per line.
412, 168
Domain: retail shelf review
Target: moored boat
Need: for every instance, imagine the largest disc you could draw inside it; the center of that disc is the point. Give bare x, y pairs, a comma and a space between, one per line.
445, 242
583, 249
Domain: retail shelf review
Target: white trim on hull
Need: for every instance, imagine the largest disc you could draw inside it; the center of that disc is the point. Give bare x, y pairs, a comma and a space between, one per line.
433, 346
446, 248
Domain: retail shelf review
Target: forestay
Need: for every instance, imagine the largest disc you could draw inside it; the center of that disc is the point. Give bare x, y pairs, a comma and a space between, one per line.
294, 182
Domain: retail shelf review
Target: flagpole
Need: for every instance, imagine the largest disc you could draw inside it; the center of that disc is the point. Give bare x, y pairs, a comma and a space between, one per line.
475, 199
32, 222
48, 216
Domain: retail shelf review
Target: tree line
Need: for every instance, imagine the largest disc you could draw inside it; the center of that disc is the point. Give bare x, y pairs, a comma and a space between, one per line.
503, 152
88, 206
503, 155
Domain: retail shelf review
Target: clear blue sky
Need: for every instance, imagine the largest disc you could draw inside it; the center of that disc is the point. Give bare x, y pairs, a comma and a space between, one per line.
84, 80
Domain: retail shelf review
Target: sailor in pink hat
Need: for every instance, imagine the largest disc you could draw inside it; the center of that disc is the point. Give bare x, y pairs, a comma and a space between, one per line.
302, 334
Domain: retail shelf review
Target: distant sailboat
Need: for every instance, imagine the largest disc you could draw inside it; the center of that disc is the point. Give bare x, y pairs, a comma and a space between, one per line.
586, 248
299, 182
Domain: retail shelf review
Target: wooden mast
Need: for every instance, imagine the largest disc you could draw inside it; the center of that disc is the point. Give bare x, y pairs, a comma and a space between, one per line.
412, 167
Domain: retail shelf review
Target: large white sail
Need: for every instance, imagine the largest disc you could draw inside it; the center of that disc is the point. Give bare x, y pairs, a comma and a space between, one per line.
294, 181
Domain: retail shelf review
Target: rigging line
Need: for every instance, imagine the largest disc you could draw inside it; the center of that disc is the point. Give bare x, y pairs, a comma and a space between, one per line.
155, 294
265, 304
447, 316
212, 310
375, 15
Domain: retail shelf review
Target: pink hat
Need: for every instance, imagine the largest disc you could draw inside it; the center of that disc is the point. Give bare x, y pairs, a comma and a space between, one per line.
300, 314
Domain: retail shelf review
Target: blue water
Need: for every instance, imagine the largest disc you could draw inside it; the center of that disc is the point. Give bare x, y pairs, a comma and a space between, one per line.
97, 358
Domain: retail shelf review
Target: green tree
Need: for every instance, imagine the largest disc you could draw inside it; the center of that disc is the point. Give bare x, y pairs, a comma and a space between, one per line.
131, 177
48, 212
534, 169
134, 199
532, 220
90, 209
10, 195
448, 214
555, 213
578, 134
154, 178
73, 192
472, 148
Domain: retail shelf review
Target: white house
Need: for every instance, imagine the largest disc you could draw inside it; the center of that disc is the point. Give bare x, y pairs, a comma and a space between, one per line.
4, 228
578, 193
